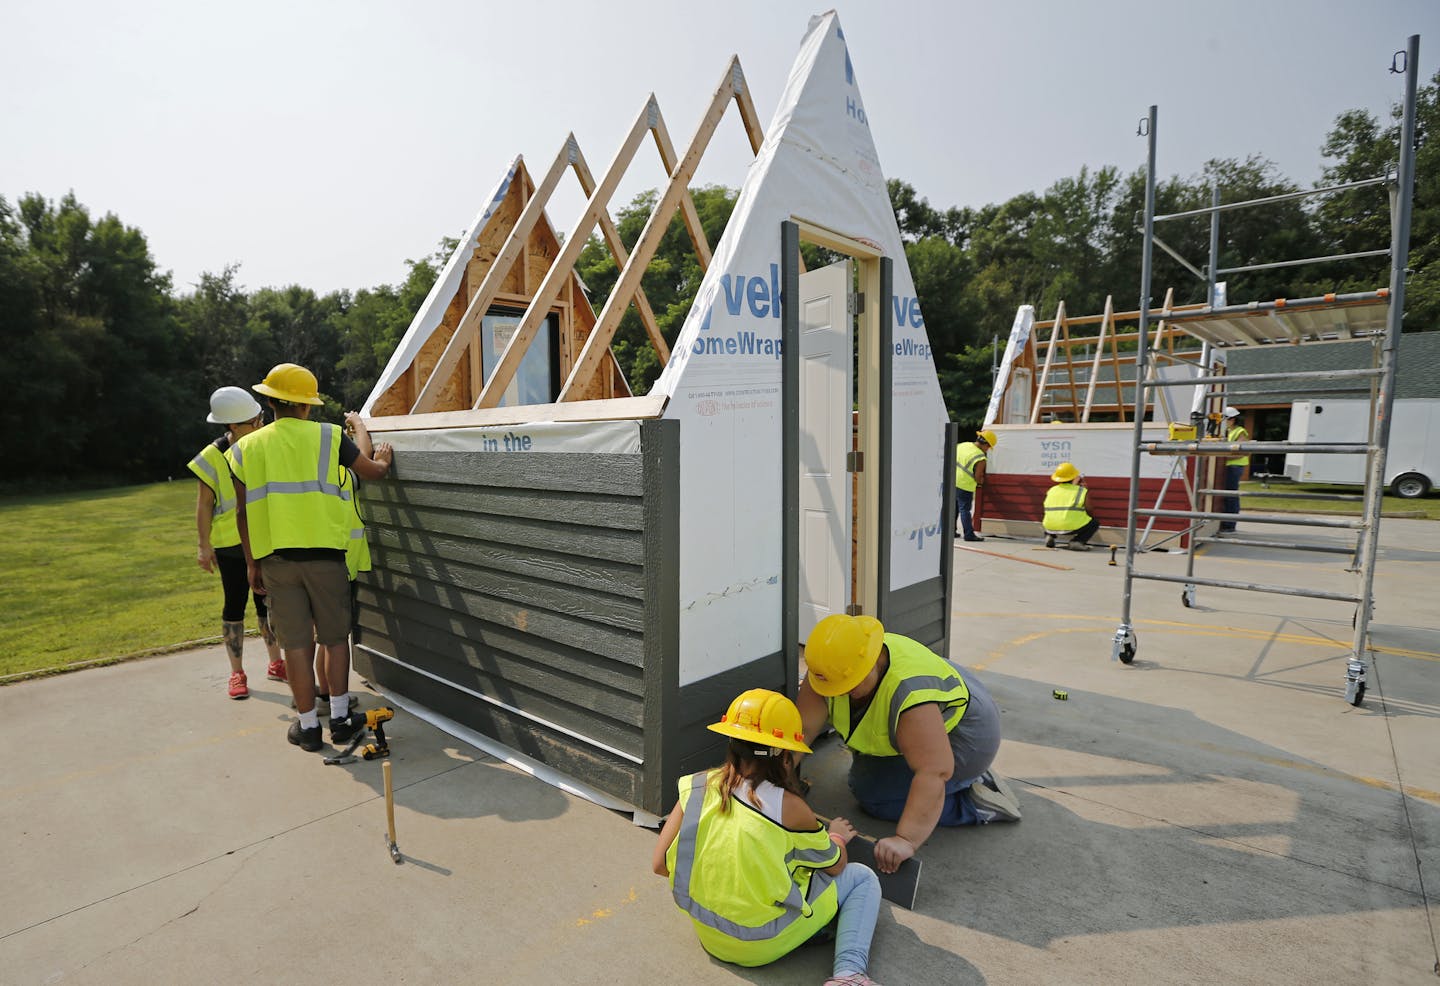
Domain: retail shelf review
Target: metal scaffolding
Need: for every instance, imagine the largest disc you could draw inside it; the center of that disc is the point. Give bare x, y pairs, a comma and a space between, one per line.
1374, 315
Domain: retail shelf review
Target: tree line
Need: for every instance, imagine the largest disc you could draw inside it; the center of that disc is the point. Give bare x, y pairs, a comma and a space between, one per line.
108, 369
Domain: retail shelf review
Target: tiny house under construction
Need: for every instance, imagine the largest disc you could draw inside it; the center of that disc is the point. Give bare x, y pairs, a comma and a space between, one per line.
1065, 392
590, 576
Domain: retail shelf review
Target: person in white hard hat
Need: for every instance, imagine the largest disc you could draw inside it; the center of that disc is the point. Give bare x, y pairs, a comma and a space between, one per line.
219, 537
1234, 466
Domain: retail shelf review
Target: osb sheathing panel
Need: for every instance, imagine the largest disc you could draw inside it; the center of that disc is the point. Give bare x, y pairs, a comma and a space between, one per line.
601, 385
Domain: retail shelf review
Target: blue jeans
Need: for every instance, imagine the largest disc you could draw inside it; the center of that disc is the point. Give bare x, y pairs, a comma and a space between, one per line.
964, 501
858, 890
1231, 504
882, 784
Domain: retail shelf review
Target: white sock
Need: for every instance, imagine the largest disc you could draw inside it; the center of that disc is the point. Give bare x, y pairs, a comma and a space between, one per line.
339, 706
310, 720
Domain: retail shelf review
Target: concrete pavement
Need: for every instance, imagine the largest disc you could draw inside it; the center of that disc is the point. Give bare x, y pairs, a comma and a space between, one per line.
1214, 812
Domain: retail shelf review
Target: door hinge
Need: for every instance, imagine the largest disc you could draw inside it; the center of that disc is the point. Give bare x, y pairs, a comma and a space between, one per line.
857, 303
855, 461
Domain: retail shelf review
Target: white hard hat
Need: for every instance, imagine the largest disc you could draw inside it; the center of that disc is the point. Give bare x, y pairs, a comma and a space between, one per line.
1230, 411
231, 405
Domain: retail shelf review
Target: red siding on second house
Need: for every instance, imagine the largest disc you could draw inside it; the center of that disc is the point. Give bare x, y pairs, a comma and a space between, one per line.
1016, 497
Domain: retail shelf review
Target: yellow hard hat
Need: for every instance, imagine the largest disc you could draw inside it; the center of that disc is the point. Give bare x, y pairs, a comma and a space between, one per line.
290, 382
988, 436
765, 718
1065, 473
841, 651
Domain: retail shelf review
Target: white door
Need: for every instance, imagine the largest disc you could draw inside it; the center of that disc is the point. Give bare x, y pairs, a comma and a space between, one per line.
826, 357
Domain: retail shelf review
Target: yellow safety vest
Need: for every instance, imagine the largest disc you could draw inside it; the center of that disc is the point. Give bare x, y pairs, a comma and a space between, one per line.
753, 888
357, 549
916, 675
1238, 434
967, 456
1065, 508
295, 493
212, 469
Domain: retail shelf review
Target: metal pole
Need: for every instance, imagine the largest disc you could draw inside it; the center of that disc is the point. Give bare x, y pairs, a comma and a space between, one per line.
1124, 643
1198, 406
1375, 488
1285, 375
1284, 590
1273, 198
1308, 260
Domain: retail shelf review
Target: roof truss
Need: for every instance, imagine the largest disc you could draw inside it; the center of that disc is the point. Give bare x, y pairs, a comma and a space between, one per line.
632, 265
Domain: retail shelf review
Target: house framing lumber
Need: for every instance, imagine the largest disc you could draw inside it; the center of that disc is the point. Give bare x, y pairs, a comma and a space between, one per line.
534, 271
732, 86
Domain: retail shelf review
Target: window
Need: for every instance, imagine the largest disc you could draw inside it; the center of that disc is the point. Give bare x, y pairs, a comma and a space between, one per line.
535, 380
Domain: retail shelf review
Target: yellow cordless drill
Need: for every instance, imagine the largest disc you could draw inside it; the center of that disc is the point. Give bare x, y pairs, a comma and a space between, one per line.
375, 720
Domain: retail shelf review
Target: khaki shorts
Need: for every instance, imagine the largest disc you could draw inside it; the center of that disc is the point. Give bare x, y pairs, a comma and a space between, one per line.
309, 600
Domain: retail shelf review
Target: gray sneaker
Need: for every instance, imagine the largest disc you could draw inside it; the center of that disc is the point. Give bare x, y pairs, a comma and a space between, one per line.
993, 794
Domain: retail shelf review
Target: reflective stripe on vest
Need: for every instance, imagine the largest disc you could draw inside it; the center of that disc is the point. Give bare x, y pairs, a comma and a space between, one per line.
769, 846
295, 492
1065, 508
916, 675
1238, 434
967, 456
357, 551
212, 469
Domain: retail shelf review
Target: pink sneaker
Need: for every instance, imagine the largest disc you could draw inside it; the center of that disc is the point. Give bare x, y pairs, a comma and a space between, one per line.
854, 979
238, 688
275, 670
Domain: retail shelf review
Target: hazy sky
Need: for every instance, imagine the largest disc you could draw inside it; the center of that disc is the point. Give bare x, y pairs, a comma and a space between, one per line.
324, 143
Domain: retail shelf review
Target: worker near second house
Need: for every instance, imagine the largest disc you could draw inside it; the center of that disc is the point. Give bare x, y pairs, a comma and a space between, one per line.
1234, 466
295, 522
923, 732
1065, 513
970, 461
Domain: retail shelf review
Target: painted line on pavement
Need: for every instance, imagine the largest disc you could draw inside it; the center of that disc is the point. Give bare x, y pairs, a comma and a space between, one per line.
1166, 626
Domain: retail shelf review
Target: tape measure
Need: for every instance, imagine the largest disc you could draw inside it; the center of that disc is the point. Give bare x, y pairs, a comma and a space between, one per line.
1063, 696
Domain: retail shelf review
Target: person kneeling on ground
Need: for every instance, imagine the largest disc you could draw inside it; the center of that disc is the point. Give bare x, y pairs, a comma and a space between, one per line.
923, 732
749, 861
1065, 513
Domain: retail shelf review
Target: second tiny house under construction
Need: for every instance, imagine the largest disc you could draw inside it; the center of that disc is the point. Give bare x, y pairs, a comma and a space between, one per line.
590, 576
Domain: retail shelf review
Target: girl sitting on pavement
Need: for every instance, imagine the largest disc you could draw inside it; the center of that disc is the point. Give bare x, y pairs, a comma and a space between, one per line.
749, 861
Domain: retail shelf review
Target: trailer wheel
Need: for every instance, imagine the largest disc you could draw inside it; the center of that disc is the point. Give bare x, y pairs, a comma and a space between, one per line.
1410, 486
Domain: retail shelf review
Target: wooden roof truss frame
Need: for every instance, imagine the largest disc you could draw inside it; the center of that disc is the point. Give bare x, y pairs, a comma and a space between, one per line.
627, 289
1061, 341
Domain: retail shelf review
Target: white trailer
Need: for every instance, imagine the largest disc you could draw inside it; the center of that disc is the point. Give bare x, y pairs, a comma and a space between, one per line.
1412, 462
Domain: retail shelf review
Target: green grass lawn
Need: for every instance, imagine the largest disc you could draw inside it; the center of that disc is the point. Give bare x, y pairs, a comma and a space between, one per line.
1426, 507
102, 575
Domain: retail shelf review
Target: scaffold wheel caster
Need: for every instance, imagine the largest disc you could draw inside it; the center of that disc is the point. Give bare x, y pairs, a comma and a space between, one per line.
1355, 682
1124, 645
1187, 596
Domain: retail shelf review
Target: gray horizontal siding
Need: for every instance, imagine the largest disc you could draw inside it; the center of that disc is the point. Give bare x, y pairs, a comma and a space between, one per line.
918, 612
533, 586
